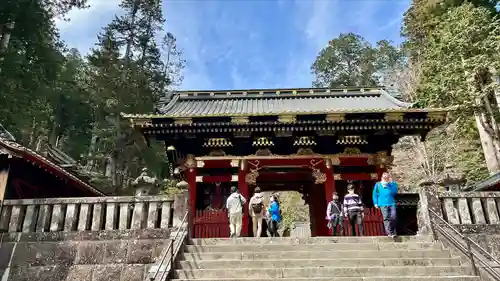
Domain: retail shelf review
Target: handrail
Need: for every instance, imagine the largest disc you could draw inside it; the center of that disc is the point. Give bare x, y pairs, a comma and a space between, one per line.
170, 250
467, 250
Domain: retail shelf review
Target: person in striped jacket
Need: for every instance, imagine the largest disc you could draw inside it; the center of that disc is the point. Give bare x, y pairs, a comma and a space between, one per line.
353, 210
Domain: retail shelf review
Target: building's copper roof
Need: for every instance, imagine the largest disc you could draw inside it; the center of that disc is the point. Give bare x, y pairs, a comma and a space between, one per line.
279, 101
13, 149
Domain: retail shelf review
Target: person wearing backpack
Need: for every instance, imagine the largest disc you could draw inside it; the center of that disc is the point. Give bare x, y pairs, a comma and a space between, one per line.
384, 197
275, 216
256, 211
334, 214
234, 204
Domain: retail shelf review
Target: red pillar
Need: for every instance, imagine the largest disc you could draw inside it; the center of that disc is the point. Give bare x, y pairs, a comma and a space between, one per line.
329, 189
243, 188
190, 174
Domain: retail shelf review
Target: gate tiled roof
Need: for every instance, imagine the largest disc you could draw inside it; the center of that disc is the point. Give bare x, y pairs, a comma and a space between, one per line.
279, 102
272, 102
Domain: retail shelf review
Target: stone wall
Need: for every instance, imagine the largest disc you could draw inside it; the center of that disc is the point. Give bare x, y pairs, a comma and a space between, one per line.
80, 239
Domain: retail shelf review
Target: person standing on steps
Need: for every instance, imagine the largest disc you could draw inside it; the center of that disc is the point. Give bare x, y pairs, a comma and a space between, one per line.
353, 210
234, 204
256, 211
384, 197
274, 216
334, 214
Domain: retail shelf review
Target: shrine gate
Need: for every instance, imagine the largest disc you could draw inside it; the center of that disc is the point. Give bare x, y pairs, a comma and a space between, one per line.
313, 141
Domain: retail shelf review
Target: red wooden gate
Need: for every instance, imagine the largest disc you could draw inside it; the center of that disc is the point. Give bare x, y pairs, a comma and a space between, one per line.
215, 224
211, 224
373, 224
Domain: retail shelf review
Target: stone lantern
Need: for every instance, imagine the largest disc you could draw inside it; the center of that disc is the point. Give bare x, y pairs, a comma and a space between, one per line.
182, 185
144, 184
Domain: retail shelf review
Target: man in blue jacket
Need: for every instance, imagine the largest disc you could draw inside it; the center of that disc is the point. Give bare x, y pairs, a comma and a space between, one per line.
384, 197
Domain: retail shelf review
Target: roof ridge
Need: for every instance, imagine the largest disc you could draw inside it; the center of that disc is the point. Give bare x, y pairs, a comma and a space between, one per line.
395, 100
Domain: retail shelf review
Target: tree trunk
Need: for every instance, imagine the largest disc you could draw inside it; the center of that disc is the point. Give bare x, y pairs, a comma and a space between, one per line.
130, 39
92, 149
6, 31
5, 36
489, 144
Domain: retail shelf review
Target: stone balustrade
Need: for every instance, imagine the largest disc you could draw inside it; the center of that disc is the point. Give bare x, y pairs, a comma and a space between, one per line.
471, 208
91, 214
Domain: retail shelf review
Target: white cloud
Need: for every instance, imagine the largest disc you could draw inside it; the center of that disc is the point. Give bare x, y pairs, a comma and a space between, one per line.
84, 24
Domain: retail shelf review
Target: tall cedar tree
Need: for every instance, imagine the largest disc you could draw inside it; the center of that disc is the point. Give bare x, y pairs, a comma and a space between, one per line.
349, 60
129, 82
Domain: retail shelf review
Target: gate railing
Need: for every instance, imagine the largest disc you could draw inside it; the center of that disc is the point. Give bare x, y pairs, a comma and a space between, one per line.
166, 263
471, 249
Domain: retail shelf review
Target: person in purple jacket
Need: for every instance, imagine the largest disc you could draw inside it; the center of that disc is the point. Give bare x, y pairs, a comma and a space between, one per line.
384, 197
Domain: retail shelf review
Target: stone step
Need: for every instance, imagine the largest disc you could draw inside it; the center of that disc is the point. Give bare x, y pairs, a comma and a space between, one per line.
378, 278
307, 272
310, 240
304, 254
337, 262
312, 247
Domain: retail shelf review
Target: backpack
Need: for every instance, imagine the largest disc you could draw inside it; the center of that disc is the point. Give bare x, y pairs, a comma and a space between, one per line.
257, 207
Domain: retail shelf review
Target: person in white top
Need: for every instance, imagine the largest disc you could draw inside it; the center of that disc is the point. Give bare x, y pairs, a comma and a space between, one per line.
234, 204
256, 210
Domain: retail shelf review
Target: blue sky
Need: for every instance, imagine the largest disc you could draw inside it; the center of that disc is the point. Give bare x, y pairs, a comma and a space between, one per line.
238, 44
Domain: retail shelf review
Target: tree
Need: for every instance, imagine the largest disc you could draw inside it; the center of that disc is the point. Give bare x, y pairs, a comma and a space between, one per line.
423, 17
132, 82
350, 60
459, 62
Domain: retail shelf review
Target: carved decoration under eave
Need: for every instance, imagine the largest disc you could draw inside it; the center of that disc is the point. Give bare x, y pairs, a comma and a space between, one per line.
325, 132
335, 117
263, 142
352, 151
304, 141
200, 163
437, 116
251, 178
217, 152
384, 160
374, 176
287, 118
263, 152
335, 160
217, 142
337, 177
370, 160
360, 140
283, 134
239, 120
183, 121
235, 163
141, 122
242, 134
305, 151
394, 116
190, 162
319, 176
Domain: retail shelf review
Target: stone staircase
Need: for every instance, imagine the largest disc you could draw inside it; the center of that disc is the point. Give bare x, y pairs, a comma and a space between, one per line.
320, 259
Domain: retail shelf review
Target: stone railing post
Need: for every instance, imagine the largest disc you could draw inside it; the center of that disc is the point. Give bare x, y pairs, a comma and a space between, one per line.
428, 200
181, 206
